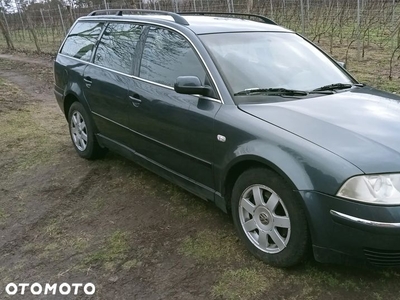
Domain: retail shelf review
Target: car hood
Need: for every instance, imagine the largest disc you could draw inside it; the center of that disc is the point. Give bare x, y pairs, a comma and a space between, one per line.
361, 125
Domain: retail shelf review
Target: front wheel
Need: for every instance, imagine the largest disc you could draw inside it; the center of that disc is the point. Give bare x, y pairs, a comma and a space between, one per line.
269, 218
82, 134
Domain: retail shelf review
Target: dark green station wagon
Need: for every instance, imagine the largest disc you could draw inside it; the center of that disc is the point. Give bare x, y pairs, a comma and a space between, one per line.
246, 114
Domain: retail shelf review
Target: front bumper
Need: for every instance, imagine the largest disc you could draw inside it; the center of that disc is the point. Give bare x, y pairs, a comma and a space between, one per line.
351, 232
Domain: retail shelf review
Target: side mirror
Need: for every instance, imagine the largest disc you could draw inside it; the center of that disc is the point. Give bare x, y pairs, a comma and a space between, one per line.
190, 85
342, 64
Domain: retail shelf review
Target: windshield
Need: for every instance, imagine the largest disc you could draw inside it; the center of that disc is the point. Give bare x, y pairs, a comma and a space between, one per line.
266, 60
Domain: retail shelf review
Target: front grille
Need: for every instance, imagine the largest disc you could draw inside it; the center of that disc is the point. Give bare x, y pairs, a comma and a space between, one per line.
383, 258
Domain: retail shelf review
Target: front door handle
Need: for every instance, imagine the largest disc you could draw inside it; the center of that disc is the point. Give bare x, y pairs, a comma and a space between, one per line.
135, 100
88, 81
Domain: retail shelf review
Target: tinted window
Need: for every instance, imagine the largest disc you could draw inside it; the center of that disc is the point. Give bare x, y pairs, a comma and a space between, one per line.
80, 42
117, 46
168, 55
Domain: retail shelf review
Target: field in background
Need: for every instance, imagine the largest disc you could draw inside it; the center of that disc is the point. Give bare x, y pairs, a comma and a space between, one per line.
365, 36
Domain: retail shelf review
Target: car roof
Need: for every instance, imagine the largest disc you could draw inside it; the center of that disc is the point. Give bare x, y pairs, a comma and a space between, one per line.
198, 24
206, 24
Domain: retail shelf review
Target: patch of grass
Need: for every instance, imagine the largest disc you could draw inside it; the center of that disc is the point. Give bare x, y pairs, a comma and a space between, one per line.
377, 296
211, 246
130, 264
21, 264
55, 241
331, 278
112, 253
21, 136
53, 229
79, 243
9, 94
306, 292
3, 216
55, 250
185, 204
241, 284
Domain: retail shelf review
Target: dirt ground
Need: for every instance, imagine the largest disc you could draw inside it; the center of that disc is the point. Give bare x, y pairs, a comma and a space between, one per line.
131, 233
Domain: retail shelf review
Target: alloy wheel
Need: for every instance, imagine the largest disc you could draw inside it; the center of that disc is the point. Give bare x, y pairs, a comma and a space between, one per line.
79, 131
264, 219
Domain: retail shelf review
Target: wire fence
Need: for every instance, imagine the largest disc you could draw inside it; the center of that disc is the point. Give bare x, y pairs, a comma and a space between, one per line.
41, 27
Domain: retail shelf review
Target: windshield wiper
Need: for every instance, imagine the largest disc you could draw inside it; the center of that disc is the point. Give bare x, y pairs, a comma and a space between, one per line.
337, 86
272, 91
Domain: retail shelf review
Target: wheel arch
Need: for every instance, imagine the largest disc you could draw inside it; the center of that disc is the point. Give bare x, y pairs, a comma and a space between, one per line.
241, 164
72, 93
298, 167
68, 100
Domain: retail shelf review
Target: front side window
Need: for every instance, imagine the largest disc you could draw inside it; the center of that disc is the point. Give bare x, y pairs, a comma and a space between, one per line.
268, 60
81, 40
168, 55
117, 46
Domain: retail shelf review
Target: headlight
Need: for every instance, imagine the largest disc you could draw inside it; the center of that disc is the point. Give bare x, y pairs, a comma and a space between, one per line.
383, 189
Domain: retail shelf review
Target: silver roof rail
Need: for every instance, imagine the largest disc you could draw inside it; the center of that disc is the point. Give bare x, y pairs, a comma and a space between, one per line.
262, 18
120, 12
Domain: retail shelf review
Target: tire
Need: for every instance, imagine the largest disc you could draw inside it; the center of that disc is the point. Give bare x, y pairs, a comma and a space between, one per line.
82, 134
269, 218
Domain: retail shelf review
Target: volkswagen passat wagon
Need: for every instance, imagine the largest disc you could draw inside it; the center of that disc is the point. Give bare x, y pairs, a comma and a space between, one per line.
248, 115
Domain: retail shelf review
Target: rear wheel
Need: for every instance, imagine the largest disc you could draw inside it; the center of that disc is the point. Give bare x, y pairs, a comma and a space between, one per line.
82, 134
269, 218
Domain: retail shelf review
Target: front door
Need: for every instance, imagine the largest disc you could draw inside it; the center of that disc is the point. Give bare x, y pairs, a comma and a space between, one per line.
176, 130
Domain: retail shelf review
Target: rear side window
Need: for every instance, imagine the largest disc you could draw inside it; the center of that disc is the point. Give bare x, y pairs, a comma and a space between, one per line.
168, 55
117, 46
81, 40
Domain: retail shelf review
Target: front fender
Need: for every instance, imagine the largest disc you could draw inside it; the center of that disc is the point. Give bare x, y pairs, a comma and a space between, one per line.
306, 165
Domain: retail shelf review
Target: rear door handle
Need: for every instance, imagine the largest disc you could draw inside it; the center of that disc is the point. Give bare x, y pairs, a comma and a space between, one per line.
135, 100
88, 81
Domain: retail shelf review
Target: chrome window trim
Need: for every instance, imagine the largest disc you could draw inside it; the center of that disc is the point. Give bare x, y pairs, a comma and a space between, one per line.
135, 77
152, 82
207, 98
105, 20
364, 221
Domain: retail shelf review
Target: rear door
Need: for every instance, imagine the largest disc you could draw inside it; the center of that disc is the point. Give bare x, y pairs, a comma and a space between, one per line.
107, 79
176, 130
75, 53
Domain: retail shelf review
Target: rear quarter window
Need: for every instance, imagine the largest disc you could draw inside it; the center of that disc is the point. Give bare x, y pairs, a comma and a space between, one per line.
82, 38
